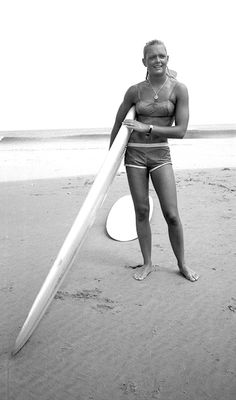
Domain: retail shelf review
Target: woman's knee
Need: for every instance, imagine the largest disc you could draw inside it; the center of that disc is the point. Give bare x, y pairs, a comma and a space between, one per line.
172, 218
142, 212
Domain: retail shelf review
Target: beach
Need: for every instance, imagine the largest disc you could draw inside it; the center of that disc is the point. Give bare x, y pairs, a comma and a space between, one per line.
105, 335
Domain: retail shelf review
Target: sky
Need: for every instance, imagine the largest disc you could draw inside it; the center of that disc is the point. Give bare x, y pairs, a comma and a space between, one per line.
66, 64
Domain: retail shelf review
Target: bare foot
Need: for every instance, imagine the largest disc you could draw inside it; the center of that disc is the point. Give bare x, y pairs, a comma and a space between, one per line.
189, 274
145, 271
135, 266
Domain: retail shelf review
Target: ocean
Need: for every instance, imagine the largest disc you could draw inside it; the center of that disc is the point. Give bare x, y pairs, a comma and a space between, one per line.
60, 153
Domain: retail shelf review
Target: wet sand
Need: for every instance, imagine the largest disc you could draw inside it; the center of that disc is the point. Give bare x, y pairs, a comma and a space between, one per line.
105, 335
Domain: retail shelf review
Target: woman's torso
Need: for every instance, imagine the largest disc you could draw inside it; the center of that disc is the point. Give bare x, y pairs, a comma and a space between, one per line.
151, 112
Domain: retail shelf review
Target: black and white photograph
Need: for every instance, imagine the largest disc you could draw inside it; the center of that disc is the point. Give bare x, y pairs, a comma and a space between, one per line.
118, 200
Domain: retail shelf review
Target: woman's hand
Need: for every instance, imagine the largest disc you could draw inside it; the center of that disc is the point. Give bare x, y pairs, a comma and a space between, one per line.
136, 125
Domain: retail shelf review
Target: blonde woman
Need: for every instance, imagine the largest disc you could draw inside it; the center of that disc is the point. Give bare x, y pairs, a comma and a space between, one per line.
162, 112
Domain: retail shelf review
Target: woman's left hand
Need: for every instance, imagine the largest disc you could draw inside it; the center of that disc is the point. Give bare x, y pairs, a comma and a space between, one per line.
136, 125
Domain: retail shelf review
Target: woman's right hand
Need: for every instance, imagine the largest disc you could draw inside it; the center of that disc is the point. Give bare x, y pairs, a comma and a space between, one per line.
136, 125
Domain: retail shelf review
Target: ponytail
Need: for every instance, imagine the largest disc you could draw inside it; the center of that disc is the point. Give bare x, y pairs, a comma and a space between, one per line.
171, 73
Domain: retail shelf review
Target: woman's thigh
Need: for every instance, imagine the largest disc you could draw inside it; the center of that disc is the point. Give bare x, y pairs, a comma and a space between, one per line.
138, 179
164, 184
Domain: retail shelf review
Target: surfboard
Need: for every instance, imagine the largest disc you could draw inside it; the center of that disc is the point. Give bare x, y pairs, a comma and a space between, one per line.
121, 224
76, 235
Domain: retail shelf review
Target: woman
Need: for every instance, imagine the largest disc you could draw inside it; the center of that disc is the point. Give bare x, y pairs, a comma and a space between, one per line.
159, 101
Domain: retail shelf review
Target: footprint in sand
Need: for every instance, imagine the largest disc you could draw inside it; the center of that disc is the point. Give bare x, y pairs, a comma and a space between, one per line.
232, 307
104, 303
83, 294
6, 289
88, 182
103, 307
128, 387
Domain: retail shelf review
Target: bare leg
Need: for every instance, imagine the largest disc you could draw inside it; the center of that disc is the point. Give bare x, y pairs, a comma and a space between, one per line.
164, 184
139, 184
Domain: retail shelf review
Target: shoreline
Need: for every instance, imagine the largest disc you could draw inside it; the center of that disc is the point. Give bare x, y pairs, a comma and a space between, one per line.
25, 159
194, 131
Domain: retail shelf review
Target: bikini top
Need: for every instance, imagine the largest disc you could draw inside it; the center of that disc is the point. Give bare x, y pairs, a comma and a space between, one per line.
164, 107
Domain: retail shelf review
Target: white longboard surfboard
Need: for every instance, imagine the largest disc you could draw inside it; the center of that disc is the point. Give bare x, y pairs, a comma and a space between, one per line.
76, 235
121, 222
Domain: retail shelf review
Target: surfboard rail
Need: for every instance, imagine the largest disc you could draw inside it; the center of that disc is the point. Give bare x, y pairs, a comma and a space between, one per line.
76, 235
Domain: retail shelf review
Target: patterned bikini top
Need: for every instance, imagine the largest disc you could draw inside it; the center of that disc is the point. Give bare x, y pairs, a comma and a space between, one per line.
164, 107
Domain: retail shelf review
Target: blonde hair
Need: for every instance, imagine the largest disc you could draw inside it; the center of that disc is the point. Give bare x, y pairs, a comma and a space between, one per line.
170, 73
151, 43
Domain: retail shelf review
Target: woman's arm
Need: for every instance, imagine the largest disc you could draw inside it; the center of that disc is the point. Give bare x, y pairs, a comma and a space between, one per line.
181, 119
128, 102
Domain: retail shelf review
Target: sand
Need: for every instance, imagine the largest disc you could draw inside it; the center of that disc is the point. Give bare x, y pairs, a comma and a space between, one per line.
105, 335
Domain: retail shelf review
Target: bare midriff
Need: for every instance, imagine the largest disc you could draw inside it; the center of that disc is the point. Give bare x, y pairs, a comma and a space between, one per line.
138, 137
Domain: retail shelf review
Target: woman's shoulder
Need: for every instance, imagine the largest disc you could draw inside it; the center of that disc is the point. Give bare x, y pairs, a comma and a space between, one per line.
135, 87
145, 82
181, 88
133, 91
177, 86
138, 87
141, 84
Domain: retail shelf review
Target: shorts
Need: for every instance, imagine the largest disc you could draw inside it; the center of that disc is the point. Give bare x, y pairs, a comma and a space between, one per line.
147, 156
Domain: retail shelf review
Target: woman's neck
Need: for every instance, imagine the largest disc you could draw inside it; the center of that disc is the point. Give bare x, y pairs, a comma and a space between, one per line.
157, 80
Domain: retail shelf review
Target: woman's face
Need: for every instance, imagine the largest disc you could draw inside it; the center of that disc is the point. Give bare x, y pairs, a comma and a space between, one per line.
156, 60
